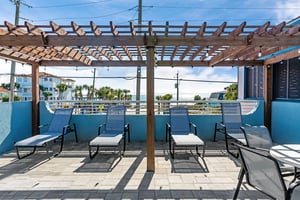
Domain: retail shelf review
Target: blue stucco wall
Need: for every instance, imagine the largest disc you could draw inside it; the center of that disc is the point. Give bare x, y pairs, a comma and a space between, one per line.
15, 123
285, 122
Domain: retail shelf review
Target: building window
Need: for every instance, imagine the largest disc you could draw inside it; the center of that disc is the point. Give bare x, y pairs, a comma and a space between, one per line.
286, 79
254, 82
25, 90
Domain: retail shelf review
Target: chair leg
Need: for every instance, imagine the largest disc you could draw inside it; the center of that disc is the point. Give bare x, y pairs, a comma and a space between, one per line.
241, 177
26, 155
215, 133
92, 155
227, 147
75, 133
61, 144
169, 139
124, 145
171, 148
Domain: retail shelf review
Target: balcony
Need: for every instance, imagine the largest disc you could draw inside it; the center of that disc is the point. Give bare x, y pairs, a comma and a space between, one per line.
73, 175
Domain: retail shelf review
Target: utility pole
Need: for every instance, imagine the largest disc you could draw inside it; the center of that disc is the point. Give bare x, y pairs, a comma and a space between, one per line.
13, 63
177, 86
138, 70
93, 90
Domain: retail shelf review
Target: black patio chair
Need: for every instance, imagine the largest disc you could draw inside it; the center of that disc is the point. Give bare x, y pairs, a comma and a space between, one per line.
263, 173
259, 137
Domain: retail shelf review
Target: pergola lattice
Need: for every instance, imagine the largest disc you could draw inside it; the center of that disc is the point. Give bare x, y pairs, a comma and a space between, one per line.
147, 46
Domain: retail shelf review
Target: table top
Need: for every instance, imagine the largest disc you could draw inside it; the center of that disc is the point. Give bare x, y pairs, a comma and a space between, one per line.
287, 153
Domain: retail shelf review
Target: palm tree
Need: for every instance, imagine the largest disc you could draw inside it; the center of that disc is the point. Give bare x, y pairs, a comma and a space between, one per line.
89, 91
47, 94
126, 96
119, 93
62, 87
165, 105
104, 92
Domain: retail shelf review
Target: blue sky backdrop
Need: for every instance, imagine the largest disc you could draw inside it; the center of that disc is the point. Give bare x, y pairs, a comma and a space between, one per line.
176, 12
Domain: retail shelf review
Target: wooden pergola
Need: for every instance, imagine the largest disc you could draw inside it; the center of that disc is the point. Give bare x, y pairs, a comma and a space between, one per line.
147, 46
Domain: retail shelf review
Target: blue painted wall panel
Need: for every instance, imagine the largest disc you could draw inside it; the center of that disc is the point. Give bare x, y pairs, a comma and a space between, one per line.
285, 122
15, 123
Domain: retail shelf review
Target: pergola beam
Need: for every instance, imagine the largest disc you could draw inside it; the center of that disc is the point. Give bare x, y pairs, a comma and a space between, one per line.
94, 63
285, 56
207, 63
72, 40
158, 63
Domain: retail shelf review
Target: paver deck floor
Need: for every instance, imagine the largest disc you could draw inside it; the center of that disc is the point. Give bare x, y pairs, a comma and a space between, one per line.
72, 175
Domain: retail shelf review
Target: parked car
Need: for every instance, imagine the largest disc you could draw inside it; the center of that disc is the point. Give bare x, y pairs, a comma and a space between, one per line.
214, 97
217, 96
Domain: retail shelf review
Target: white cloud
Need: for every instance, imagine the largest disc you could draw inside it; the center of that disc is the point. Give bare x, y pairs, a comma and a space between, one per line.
288, 9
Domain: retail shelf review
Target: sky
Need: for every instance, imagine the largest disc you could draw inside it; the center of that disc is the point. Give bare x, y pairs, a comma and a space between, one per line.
121, 12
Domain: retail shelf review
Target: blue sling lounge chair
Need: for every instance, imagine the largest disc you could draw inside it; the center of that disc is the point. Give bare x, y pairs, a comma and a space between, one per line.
112, 132
57, 129
230, 125
179, 131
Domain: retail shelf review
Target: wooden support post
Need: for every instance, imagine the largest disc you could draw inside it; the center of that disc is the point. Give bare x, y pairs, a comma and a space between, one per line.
35, 98
150, 109
268, 76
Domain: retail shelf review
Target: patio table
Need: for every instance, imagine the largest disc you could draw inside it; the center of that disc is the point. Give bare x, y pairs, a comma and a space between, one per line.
287, 153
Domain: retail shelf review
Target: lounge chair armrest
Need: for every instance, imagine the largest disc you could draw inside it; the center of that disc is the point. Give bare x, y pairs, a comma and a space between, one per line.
263, 151
192, 125
66, 129
220, 124
168, 128
246, 125
72, 127
127, 130
99, 128
168, 131
40, 127
43, 125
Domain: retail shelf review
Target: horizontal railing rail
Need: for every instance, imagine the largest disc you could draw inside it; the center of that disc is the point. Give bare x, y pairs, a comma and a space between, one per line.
140, 107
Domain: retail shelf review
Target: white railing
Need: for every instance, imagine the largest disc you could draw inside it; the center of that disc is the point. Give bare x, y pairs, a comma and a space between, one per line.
160, 107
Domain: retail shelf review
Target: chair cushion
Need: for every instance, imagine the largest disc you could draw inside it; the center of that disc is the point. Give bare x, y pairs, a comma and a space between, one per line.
187, 140
106, 140
37, 140
238, 137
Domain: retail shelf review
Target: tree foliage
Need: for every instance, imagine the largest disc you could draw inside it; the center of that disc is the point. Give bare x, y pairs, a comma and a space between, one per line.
231, 92
62, 87
166, 97
7, 85
5, 98
104, 93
